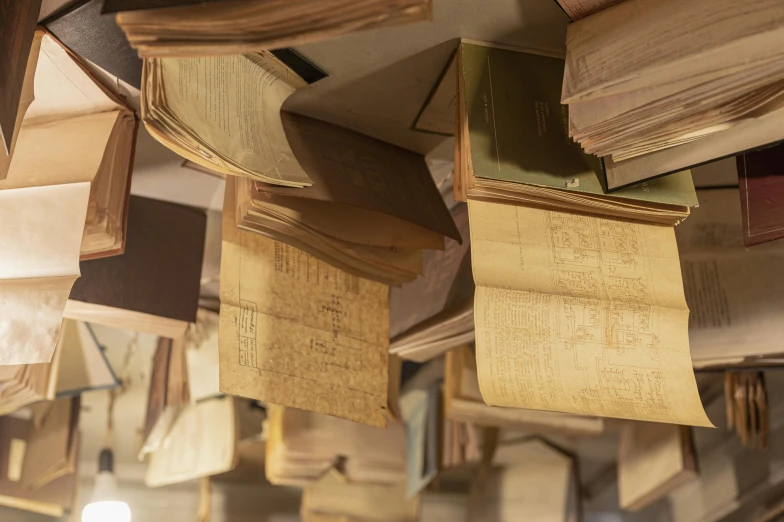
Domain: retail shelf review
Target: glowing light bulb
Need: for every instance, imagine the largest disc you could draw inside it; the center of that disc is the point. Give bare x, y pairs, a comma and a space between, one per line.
104, 505
106, 511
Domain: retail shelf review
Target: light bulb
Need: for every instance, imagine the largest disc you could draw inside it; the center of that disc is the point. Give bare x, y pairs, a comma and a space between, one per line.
104, 505
106, 511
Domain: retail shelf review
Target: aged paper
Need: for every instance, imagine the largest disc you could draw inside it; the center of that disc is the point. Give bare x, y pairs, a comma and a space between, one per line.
736, 294
582, 315
298, 332
230, 108
40, 237
201, 442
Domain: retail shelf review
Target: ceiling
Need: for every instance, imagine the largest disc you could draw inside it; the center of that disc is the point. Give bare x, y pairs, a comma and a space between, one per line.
380, 79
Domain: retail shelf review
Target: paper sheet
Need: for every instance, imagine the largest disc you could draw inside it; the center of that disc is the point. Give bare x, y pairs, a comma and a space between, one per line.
298, 332
200, 443
232, 103
40, 237
736, 294
581, 315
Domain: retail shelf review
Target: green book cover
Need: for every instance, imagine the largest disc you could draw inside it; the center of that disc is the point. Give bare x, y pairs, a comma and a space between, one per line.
518, 129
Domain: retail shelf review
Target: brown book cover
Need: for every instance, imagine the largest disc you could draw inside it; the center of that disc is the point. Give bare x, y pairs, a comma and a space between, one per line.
761, 180
115, 6
17, 26
160, 272
352, 169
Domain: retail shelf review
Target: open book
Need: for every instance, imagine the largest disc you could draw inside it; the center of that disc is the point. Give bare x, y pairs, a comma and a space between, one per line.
78, 365
371, 209
511, 142
180, 98
463, 403
65, 194
578, 314
657, 86
334, 327
20, 451
201, 441
154, 287
235, 27
302, 446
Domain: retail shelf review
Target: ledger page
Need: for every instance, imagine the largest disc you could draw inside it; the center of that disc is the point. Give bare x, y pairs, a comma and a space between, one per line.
232, 104
297, 331
581, 315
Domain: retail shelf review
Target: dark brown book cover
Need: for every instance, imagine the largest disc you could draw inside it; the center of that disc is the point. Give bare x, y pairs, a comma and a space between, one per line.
761, 180
115, 6
96, 38
17, 27
353, 169
160, 272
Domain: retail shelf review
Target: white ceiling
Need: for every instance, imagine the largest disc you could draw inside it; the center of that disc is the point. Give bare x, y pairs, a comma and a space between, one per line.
380, 79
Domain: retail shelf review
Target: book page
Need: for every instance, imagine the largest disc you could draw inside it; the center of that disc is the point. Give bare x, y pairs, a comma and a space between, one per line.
232, 105
736, 294
582, 315
201, 442
297, 331
40, 238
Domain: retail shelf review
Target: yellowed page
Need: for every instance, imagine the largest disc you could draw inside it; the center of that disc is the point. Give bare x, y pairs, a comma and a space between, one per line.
40, 238
232, 104
581, 315
201, 442
62, 88
60, 152
298, 332
577, 9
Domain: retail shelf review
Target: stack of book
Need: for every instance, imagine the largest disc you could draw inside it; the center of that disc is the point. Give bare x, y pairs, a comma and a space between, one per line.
544, 486
654, 87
